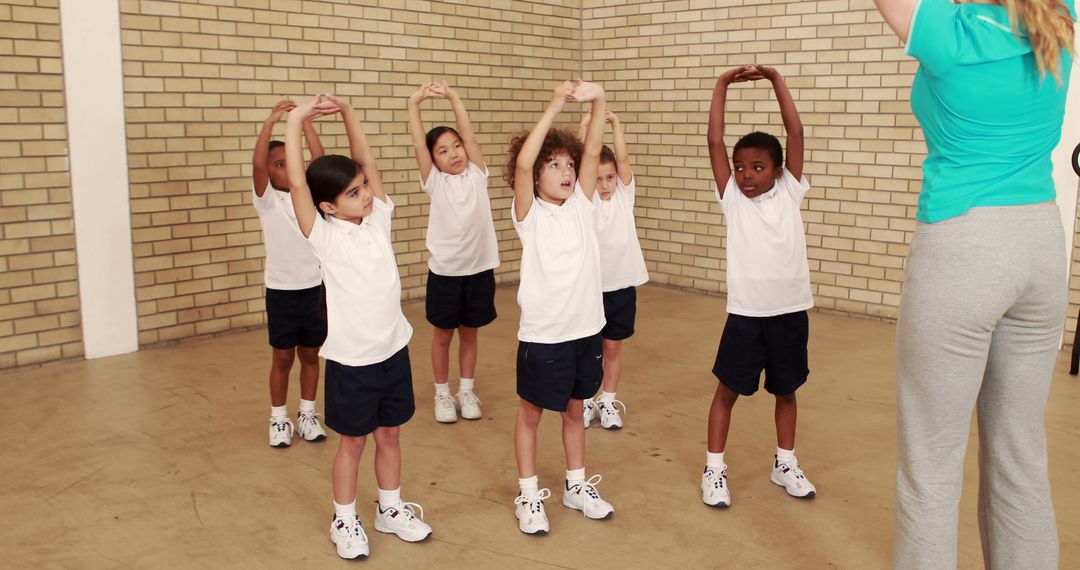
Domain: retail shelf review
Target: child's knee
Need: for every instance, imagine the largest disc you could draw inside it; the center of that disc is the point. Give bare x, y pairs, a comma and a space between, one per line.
352, 444
388, 436
442, 337
308, 356
575, 412
283, 359
529, 413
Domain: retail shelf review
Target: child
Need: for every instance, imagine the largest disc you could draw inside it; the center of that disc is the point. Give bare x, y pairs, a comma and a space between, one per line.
768, 282
461, 239
368, 378
558, 359
622, 267
294, 315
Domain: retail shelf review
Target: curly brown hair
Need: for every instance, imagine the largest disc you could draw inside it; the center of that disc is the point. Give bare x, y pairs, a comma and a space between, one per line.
557, 140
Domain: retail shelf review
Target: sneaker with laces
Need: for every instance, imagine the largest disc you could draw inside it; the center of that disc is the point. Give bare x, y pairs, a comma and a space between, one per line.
590, 412
445, 411
402, 521
530, 513
310, 429
583, 497
609, 413
714, 488
281, 430
469, 405
349, 537
789, 476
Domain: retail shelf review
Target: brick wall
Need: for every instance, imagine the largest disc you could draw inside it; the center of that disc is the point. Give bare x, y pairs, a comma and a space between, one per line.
201, 77
39, 303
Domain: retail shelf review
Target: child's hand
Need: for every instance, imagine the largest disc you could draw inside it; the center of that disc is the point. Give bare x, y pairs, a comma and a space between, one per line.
421, 94
282, 107
445, 90
735, 74
610, 117
585, 91
316, 107
340, 105
763, 72
561, 94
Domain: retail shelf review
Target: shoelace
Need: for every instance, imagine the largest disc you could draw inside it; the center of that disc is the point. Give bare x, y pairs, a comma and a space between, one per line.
309, 418
446, 400
793, 468
715, 478
406, 510
605, 405
352, 527
280, 425
588, 487
535, 502
469, 397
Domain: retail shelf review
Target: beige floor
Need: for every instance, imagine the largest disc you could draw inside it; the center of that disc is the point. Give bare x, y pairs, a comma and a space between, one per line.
159, 459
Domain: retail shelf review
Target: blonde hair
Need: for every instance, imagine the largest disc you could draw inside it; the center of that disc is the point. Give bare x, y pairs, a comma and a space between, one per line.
1048, 26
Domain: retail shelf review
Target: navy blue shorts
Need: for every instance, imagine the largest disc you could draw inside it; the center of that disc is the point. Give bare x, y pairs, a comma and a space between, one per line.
359, 399
620, 310
463, 301
296, 318
776, 345
550, 375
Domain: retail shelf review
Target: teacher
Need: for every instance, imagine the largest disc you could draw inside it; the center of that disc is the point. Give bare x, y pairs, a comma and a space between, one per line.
984, 296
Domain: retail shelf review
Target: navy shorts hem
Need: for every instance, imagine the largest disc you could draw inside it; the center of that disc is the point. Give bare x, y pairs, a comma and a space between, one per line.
296, 318
360, 399
550, 375
774, 345
461, 301
620, 312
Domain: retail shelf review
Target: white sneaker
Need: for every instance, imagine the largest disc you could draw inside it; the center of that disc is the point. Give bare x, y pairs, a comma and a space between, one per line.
791, 478
530, 512
281, 430
402, 521
469, 404
609, 413
590, 411
309, 428
349, 537
583, 497
714, 488
444, 409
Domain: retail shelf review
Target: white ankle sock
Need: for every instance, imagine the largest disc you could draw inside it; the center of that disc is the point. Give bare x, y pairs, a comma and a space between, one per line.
391, 498
715, 461
607, 396
529, 485
442, 389
575, 477
307, 407
466, 385
279, 412
785, 455
342, 511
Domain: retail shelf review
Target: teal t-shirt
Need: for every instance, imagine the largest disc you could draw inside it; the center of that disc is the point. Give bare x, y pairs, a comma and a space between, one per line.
990, 119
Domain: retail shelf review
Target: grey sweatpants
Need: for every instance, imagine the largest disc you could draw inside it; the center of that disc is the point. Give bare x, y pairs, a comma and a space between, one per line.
981, 313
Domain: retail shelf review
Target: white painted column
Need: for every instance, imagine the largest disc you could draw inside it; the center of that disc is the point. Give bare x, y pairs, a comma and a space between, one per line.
97, 150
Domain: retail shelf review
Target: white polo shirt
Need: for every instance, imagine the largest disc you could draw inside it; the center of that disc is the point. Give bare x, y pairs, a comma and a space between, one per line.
559, 293
365, 324
290, 264
767, 271
460, 234
621, 263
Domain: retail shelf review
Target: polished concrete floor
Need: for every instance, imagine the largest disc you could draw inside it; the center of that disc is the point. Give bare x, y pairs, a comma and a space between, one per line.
160, 459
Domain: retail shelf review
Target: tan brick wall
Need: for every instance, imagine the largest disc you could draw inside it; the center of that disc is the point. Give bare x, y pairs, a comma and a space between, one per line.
850, 80
39, 303
201, 77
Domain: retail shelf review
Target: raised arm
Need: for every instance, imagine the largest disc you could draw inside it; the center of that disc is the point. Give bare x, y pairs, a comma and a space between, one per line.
464, 126
622, 156
718, 155
790, 114
260, 174
294, 160
583, 128
311, 137
359, 148
417, 132
594, 138
898, 14
527, 156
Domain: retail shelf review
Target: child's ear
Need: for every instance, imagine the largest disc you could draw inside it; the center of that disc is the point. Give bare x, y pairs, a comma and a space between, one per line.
779, 173
327, 208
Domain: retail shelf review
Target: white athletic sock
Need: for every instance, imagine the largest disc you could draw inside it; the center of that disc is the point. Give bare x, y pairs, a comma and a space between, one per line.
466, 385
442, 389
391, 498
342, 511
529, 485
785, 455
715, 461
575, 477
307, 407
607, 396
279, 412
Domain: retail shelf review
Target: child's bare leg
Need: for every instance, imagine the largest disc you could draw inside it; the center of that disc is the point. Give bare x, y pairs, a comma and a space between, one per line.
612, 364
388, 457
573, 435
525, 433
720, 417
786, 412
346, 462
440, 354
280, 366
309, 371
468, 350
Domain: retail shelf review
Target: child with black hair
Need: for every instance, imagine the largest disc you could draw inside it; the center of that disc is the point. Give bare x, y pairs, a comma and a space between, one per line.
295, 319
344, 213
461, 239
768, 282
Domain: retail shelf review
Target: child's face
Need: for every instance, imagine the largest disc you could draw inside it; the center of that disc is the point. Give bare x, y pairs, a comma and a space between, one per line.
279, 179
557, 178
605, 180
354, 203
449, 154
754, 171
